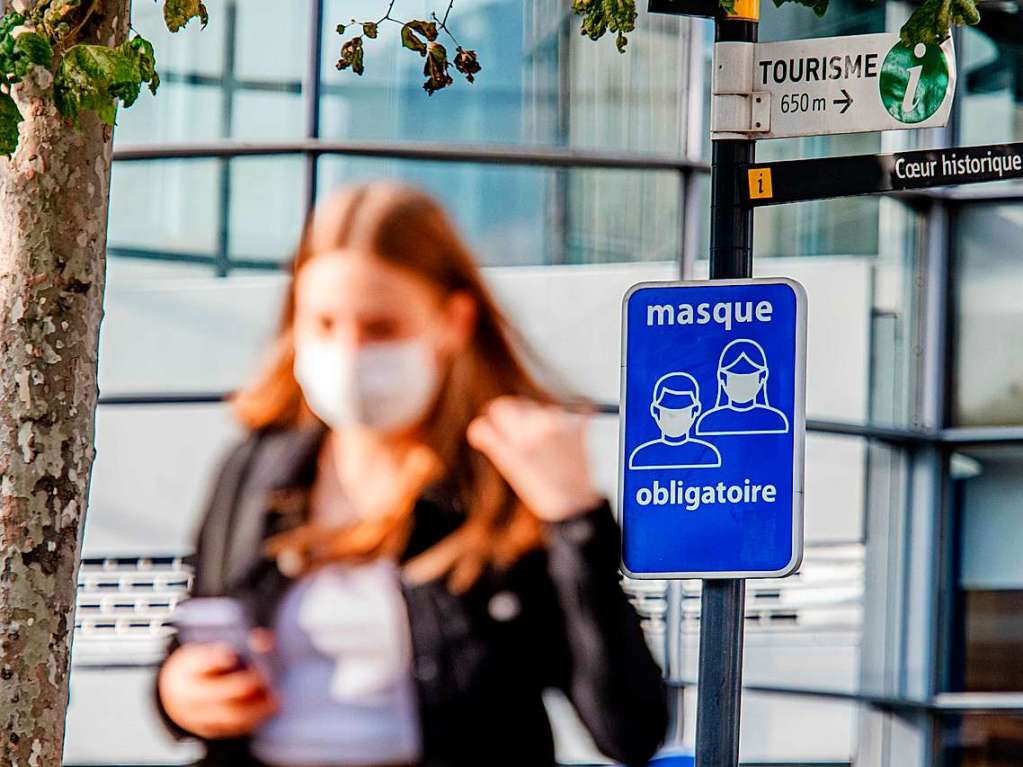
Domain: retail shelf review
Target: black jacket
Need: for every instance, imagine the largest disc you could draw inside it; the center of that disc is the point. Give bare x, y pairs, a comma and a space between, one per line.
556, 618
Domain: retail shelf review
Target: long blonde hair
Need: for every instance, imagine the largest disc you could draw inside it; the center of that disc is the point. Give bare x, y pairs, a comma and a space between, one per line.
408, 228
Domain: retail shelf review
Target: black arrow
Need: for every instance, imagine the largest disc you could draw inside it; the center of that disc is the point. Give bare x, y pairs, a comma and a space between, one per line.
847, 101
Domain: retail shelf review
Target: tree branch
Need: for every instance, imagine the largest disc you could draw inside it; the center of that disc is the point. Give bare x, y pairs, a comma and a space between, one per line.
69, 38
419, 36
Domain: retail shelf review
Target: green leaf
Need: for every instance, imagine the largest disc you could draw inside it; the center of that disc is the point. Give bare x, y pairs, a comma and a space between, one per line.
602, 16
20, 49
177, 13
467, 63
411, 41
94, 78
930, 22
594, 23
140, 52
436, 69
35, 48
10, 116
340, 29
351, 56
9, 21
819, 7
369, 29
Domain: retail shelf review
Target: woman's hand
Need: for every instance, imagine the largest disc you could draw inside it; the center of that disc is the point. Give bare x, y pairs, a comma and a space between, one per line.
204, 691
541, 451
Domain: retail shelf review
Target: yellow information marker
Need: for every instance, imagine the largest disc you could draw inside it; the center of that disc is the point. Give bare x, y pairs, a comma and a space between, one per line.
746, 10
760, 184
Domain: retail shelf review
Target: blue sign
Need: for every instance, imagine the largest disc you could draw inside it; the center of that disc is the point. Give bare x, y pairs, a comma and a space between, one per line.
712, 427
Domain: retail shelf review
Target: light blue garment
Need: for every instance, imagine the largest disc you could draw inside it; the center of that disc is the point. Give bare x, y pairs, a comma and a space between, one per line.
344, 681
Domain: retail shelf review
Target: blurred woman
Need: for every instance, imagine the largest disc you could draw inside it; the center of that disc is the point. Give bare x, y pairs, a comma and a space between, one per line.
412, 517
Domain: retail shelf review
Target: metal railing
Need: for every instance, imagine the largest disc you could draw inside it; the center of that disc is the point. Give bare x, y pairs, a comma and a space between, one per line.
123, 609
896, 436
479, 154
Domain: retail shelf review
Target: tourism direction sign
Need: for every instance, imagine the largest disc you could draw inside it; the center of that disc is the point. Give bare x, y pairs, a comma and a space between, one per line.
830, 85
824, 177
712, 429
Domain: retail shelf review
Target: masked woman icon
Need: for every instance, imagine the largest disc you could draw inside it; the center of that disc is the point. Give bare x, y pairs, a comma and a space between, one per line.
742, 406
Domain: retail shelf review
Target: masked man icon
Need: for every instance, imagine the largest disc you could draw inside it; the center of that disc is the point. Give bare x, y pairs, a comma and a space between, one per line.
675, 408
742, 406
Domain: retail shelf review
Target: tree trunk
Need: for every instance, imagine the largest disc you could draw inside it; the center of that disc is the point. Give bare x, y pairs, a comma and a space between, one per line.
54, 195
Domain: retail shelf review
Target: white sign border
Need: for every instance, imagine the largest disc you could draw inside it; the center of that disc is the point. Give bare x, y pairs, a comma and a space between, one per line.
798, 435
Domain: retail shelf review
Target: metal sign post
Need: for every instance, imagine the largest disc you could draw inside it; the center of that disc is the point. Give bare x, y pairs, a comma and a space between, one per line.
723, 602
731, 258
682, 450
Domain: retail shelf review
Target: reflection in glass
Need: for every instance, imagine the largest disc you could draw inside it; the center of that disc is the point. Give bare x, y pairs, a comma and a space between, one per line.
267, 208
844, 17
988, 385
515, 216
248, 212
541, 81
991, 73
820, 228
271, 38
179, 112
267, 115
982, 740
164, 209
240, 77
191, 50
988, 514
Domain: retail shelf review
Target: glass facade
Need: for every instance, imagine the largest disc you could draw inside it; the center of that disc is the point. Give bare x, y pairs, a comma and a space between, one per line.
983, 741
992, 79
565, 155
985, 398
989, 315
246, 77
986, 395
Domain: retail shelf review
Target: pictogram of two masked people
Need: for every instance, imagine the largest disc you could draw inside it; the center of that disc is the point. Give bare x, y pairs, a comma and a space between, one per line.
740, 407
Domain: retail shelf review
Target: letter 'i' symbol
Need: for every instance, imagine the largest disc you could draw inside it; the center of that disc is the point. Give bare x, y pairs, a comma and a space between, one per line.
914, 81
909, 99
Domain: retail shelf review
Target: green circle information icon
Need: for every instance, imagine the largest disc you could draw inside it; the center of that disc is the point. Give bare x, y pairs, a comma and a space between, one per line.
913, 81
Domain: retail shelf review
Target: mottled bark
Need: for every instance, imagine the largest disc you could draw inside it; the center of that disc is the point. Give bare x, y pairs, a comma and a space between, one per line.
54, 196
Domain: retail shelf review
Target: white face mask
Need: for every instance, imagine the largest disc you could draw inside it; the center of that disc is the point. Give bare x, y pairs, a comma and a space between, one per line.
675, 423
385, 386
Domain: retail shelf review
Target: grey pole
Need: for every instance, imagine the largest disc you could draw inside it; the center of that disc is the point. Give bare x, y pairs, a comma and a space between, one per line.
674, 662
720, 685
723, 601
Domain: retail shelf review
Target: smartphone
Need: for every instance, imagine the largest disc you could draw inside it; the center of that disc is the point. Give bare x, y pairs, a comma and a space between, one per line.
219, 620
